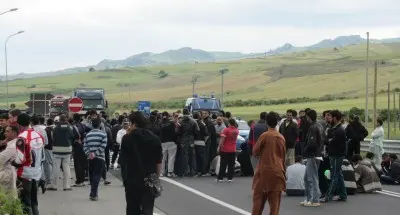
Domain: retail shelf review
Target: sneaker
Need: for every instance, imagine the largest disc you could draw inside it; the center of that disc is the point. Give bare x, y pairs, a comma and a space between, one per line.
42, 185
107, 182
68, 189
303, 202
312, 204
94, 198
171, 175
52, 189
219, 181
338, 199
78, 185
230, 181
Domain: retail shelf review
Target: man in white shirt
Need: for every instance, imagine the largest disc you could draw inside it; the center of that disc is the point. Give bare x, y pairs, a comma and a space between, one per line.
295, 178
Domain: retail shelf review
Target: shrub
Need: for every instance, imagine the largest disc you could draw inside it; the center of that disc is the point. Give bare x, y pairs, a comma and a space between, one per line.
9, 204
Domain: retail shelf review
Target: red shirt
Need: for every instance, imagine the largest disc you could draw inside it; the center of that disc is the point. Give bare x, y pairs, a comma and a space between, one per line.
230, 134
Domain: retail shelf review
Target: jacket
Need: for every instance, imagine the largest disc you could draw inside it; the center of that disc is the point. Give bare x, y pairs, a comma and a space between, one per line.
49, 133
63, 137
314, 142
168, 133
290, 132
337, 141
200, 136
303, 130
366, 177
395, 170
187, 128
255, 132
141, 151
114, 132
8, 174
355, 133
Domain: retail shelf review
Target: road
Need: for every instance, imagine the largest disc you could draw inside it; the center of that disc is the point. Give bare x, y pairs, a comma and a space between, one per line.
200, 196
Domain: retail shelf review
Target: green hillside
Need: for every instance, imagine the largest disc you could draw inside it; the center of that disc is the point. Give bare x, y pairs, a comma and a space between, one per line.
338, 72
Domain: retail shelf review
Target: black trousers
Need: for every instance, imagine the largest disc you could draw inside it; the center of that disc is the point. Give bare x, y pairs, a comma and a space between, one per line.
139, 201
28, 196
227, 160
115, 150
107, 154
200, 159
353, 148
323, 181
96, 168
80, 164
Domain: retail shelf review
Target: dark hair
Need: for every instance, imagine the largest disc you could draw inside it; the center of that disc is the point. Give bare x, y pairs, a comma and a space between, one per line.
356, 158
289, 111
196, 115
15, 112
214, 116
272, 119
87, 113
50, 121
152, 119
4, 116
336, 114
95, 122
312, 114
35, 120
232, 122
41, 119
298, 158
185, 111
165, 114
370, 155
307, 109
228, 114
380, 121
385, 155
263, 115
250, 123
63, 118
393, 156
222, 113
120, 119
294, 113
103, 112
138, 119
24, 119
76, 117
14, 128
326, 112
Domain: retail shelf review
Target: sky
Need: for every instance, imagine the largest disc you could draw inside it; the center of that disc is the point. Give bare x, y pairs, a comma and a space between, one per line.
61, 34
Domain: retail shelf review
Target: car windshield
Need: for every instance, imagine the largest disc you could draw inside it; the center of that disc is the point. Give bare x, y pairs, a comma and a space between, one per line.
203, 103
92, 103
242, 125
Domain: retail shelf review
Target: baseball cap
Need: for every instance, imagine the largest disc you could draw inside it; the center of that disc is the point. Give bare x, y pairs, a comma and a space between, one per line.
57, 119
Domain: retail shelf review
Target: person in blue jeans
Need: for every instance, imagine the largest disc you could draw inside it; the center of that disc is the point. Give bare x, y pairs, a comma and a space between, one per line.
313, 147
337, 152
94, 147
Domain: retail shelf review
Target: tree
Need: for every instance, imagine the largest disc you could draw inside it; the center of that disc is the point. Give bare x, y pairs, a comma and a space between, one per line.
91, 69
162, 74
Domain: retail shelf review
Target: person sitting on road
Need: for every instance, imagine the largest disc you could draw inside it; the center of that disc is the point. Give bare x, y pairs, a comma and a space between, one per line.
366, 176
370, 157
385, 164
295, 178
393, 176
349, 177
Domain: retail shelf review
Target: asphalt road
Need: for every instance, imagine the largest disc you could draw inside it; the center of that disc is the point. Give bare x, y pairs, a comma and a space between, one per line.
200, 196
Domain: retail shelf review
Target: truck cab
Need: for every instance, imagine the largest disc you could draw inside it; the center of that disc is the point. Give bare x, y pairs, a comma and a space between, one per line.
93, 98
196, 103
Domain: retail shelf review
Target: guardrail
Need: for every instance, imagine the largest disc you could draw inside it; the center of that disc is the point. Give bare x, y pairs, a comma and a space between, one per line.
390, 146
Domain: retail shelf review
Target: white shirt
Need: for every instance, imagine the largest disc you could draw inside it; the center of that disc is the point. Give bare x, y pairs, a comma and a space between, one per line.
295, 177
120, 134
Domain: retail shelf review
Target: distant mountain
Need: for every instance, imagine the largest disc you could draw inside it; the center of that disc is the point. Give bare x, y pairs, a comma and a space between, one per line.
187, 54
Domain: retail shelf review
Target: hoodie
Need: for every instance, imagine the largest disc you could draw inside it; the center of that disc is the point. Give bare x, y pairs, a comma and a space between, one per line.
143, 148
63, 138
188, 127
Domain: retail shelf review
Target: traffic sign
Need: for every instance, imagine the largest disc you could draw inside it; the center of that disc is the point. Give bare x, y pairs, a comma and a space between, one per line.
144, 106
75, 105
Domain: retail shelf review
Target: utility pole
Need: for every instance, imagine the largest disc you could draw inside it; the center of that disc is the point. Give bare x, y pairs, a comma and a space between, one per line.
194, 81
375, 90
366, 82
222, 72
388, 112
395, 112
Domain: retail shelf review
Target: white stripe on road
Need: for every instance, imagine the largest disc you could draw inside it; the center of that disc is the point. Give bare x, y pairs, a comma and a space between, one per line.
217, 201
389, 193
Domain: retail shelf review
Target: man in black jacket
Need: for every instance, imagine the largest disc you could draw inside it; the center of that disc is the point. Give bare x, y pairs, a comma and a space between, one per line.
336, 152
200, 145
255, 132
290, 131
313, 152
211, 142
168, 139
115, 147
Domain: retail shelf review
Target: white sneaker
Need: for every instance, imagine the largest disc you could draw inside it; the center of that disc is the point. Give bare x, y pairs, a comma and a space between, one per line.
304, 203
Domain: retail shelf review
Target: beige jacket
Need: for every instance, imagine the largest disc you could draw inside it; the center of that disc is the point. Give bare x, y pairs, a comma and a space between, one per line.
8, 173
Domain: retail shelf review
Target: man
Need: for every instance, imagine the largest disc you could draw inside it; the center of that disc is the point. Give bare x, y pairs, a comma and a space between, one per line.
269, 177
187, 128
8, 175
116, 146
12, 118
121, 133
313, 152
30, 170
219, 127
35, 122
303, 129
200, 146
94, 146
107, 150
290, 131
324, 165
366, 177
336, 152
3, 126
255, 132
393, 175
169, 148
63, 137
211, 141
80, 161
48, 152
295, 178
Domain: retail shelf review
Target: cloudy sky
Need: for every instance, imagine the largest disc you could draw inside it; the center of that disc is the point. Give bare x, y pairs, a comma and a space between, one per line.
67, 33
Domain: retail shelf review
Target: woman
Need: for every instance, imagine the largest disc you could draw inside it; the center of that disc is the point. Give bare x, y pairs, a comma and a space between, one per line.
355, 133
227, 150
141, 155
376, 145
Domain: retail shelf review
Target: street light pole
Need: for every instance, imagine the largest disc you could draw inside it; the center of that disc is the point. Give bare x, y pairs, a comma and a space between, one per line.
5, 55
8, 11
222, 72
366, 83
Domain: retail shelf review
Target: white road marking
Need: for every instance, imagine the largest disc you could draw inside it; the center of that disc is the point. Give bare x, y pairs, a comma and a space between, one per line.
217, 201
389, 193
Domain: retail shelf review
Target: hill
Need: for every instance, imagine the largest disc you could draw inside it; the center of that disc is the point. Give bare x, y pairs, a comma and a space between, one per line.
334, 72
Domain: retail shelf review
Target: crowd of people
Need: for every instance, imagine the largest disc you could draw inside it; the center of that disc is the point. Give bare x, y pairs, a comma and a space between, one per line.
300, 155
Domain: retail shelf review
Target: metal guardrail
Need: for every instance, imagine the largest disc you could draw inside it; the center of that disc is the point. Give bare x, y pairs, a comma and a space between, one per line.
390, 146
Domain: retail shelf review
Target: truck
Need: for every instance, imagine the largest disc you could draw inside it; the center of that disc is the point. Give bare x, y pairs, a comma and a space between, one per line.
199, 103
93, 98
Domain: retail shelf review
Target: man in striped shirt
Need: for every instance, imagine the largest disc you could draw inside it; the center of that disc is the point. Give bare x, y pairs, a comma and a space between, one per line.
94, 146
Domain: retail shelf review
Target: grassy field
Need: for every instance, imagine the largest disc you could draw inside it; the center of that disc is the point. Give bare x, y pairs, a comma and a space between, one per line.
312, 74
